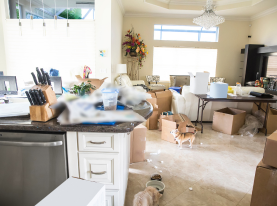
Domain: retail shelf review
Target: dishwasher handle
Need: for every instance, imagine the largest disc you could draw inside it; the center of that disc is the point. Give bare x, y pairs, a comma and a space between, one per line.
31, 144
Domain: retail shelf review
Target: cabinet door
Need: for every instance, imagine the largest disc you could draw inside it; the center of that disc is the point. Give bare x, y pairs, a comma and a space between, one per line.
99, 142
112, 198
100, 167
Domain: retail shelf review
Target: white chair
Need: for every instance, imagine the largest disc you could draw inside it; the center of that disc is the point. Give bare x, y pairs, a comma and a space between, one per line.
125, 81
154, 78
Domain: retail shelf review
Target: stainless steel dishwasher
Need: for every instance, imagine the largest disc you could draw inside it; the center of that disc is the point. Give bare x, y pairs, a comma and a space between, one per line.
31, 166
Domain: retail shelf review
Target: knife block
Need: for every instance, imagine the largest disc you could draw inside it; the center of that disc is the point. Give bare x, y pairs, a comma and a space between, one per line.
42, 113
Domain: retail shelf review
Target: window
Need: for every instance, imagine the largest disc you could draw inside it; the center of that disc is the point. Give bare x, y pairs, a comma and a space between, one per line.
179, 61
77, 10
185, 33
272, 66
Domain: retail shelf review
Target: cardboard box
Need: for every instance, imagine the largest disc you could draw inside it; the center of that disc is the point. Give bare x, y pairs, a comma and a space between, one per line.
74, 192
228, 120
180, 122
167, 117
265, 186
271, 118
152, 122
138, 144
95, 82
164, 99
199, 82
270, 150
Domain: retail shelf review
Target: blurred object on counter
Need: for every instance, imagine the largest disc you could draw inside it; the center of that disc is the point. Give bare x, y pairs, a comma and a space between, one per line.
8, 85
83, 88
54, 72
251, 83
86, 72
56, 83
272, 81
109, 97
230, 90
131, 96
262, 82
265, 82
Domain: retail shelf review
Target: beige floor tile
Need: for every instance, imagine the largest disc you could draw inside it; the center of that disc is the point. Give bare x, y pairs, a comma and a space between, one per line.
219, 167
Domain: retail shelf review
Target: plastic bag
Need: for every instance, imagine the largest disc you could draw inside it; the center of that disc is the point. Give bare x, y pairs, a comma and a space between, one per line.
251, 126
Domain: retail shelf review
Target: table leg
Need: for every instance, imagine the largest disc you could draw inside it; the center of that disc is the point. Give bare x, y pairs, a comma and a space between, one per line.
265, 119
203, 106
197, 111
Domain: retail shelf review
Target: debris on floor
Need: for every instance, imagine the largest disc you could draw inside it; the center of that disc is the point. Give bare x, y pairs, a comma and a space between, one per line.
190, 189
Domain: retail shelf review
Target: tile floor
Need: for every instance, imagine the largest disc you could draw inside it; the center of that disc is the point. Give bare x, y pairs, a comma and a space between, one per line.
220, 168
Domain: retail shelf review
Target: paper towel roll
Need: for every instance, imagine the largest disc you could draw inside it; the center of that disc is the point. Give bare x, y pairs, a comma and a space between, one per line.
218, 90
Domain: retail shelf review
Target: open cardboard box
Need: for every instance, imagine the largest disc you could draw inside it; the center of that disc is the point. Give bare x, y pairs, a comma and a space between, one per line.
228, 120
271, 117
95, 82
265, 186
164, 99
180, 122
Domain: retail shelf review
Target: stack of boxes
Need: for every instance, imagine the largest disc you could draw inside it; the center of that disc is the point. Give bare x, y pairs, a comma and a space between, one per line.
265, 183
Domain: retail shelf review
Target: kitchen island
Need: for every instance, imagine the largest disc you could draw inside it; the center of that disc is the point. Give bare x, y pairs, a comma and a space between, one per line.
97, 153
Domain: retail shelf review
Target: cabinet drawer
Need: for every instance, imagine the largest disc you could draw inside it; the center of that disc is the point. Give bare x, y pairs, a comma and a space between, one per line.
100, 167
112, 198
100, 142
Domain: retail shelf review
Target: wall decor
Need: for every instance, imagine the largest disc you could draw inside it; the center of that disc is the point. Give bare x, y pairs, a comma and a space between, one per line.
103, 53
135, 47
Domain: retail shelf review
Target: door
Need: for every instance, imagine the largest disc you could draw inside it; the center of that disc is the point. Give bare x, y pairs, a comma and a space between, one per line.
32, 165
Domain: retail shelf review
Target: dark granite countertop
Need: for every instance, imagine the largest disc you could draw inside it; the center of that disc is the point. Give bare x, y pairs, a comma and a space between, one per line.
23, 123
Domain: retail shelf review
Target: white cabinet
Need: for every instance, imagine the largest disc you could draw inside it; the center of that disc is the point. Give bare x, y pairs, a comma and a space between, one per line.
100, 167
103, 158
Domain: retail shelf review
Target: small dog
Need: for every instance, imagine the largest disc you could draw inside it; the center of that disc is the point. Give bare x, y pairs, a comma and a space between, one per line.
183, 137
149, 197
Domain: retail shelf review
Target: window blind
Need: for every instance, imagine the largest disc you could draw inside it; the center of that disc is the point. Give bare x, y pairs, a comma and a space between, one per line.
55, 50
272, 66
179, 61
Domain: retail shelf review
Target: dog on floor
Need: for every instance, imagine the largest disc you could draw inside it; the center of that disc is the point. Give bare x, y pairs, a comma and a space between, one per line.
183, 137
149, 197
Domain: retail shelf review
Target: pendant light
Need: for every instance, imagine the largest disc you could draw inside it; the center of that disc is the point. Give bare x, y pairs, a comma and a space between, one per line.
67, 24
31, 16
43, 24
20, 24
55, 16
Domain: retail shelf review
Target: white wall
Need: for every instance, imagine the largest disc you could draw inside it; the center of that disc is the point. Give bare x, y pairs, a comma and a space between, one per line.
233, 35
264, 30
116, 32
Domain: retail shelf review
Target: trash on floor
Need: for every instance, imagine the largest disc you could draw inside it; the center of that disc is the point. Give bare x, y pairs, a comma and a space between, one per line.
190, 189
251, 126
162, 162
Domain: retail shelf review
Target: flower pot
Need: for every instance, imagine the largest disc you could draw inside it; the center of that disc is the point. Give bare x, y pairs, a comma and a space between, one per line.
133, 53
81, 92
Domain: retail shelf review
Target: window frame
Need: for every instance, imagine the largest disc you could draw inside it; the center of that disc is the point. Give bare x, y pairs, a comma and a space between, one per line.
190, 31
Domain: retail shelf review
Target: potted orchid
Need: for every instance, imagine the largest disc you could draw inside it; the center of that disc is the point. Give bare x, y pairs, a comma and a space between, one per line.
135, 47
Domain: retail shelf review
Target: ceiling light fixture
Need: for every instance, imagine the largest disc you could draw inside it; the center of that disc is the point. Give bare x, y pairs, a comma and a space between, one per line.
209, 19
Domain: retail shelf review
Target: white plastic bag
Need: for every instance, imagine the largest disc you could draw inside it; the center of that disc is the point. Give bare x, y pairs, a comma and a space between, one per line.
251, 126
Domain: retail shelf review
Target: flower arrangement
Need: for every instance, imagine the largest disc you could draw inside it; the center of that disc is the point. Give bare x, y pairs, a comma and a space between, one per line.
134, 46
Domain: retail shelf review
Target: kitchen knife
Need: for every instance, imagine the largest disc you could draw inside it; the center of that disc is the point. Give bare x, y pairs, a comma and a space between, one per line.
48, 78
33, 97
34, 78
39, 76
43, 76
29, 98
40, 102
42, 96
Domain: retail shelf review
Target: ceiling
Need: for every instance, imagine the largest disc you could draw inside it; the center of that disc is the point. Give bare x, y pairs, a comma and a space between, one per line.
232, 9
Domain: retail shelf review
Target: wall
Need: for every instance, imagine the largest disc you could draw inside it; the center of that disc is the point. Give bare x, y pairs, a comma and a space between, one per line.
233, 35
117, 25
264, 30
103, 21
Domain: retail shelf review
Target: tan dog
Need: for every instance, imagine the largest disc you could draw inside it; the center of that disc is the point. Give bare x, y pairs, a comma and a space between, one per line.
149, 197
183, 137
